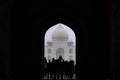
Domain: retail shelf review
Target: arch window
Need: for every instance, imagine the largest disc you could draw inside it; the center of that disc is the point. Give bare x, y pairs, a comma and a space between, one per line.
49, 51
70, 51
70, 57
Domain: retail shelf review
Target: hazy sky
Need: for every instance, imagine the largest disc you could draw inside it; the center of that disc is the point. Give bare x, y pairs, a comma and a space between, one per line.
52, 28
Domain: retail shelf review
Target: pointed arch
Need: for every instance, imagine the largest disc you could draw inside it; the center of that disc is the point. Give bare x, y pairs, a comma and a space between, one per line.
66, 45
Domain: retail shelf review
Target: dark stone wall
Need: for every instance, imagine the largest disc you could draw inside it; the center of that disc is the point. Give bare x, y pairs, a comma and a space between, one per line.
5, 37
116, 29
30, 20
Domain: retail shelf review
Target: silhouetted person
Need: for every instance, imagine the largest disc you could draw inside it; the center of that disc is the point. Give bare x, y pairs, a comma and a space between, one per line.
49, 69
56, 68
53, 66
60, 67
60, 59
66, 68
45, 67
71, 72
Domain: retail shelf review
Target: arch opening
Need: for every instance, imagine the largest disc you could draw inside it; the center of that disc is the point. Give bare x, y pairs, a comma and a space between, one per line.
59, 45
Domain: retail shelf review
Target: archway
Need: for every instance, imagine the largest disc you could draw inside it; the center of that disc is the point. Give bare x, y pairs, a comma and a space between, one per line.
59, 52
60, 49
60, 40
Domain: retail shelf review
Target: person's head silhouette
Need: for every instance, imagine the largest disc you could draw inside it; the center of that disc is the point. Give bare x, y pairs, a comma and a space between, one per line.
60, 57
53, 59
49, 61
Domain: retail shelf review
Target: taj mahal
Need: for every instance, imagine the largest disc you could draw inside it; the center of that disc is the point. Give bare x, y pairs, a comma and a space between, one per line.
60, 45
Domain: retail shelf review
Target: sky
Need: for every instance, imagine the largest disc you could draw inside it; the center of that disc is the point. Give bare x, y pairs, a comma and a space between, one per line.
52, 28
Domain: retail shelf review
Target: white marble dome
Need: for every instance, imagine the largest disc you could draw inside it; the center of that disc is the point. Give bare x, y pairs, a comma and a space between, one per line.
60, 34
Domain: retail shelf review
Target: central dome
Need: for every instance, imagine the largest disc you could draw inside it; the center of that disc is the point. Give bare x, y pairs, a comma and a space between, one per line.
60, 34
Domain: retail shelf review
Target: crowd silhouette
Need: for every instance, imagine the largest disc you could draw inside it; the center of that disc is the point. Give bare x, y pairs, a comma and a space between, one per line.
59, 69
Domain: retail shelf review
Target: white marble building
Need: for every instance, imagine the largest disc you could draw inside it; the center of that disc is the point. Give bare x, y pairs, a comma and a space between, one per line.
60, 44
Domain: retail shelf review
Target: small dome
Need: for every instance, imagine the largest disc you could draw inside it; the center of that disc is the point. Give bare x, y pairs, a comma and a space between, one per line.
60, 34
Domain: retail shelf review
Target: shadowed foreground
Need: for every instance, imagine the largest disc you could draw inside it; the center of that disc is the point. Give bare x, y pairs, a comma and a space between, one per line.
59, 70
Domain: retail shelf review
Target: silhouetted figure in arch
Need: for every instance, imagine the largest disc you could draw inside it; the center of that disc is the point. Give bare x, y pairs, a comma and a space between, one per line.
71, 72
56, 69
66, 69
60, 68
45, 67
53, 69
49, 69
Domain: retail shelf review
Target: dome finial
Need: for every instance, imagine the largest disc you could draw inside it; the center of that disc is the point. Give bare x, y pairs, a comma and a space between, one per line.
60, 26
